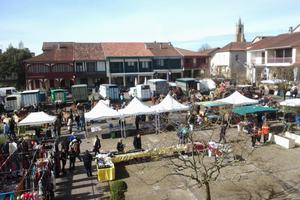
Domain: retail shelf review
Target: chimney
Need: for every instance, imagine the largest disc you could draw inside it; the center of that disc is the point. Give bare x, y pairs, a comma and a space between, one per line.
290, 29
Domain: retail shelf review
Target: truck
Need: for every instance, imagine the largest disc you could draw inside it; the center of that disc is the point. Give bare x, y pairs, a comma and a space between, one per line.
58, 96
109, 91
186, 84
80, 93
158, 86
5, 91
12, 102
30, 98
141, 91
205, 86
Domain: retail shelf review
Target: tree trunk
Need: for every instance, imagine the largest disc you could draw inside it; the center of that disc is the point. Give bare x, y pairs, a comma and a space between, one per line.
207, 187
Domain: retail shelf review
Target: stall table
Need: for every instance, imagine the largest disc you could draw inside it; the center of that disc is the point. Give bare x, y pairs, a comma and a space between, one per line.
106, 174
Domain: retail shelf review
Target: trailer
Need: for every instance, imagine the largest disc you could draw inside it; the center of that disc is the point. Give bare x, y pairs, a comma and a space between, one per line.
109, 91
186, 84
30, 98
158, 86
58, 96
12, 102
141, 91
80, 93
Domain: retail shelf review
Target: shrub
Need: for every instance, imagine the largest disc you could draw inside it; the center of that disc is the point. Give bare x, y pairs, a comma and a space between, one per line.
117, 190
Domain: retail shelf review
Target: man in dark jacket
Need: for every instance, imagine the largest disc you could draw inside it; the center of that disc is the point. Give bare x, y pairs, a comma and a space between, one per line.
97, 145
223, 132
137, 142
120, 146
87, 162
72, 157
63, 158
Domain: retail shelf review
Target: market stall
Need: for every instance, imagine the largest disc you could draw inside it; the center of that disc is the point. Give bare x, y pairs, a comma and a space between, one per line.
246, 110
237, 99
37, 118
105, 168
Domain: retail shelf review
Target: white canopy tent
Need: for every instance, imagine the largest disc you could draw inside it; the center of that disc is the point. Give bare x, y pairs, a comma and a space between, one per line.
37, 118
101, 111
291, 103
169, 104
237, 99
135, 107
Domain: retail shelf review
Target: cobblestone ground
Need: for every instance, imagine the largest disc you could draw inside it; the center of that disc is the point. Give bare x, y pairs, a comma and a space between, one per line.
269, 173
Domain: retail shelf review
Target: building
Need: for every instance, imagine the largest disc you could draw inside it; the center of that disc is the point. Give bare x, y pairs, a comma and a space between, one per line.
230, 61
63, 64
274, 57
196, 64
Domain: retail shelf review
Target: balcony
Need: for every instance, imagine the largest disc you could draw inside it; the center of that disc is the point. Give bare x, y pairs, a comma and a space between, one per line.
280, 60
258, 60
195, 65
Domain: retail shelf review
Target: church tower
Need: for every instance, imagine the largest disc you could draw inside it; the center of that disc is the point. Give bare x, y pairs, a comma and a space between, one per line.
239, 35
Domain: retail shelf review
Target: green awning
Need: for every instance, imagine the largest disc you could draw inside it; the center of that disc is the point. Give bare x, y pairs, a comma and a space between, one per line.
245, 110
213, 104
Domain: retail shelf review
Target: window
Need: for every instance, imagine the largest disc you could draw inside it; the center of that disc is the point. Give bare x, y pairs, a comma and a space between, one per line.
80, 67
130, 64
91, 66
161, 63
101, 67
145, 65
236, 57
62, 68
38, 68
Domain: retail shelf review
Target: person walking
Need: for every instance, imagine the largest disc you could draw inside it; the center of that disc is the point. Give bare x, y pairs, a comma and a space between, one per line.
253, 134
223, 132
120, 146
77, 120
97, 145
137, 142
69, 124
87, 162
72, 157
63, 158
265, 131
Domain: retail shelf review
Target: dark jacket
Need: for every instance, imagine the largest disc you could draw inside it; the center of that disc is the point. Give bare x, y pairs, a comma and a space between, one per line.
87, 159
137, 142
97, 144
120, 147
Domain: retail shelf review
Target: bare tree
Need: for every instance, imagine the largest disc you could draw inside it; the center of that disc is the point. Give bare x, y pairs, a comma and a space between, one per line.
201, 168
204, 47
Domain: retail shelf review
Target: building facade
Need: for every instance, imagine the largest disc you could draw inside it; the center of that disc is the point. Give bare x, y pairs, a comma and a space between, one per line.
230, 61
276, 57
63, 64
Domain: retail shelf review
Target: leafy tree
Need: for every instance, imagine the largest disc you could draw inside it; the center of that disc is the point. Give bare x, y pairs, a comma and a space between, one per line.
11, 61
204, 47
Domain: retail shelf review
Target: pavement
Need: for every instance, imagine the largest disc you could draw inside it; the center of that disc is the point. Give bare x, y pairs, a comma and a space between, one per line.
269, 172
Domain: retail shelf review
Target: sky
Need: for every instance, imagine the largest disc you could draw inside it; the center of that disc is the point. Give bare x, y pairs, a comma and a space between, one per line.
186, 23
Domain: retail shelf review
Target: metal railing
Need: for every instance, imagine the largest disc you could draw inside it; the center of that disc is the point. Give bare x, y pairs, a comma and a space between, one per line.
280, 60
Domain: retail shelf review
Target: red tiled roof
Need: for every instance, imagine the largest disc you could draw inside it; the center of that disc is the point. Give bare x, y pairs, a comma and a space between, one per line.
185, 52
162, 49
128, 49
55, 52
283, 40
208, 52
88, 51
235, 46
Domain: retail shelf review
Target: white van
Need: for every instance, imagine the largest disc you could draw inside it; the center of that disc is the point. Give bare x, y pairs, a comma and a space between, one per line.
158, 86
12, 102
5, 91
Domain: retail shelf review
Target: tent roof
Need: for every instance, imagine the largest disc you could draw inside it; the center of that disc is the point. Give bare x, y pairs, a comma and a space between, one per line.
101, 111
169, 104
135, 107
244, 110
238, 99
213, 103
37, 118
291, 103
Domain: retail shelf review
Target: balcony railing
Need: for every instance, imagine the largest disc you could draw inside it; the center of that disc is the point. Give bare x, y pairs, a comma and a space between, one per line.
280, 60
258, 60
195, 65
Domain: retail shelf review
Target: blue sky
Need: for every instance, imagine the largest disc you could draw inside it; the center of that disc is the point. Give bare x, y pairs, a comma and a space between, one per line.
187, 24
